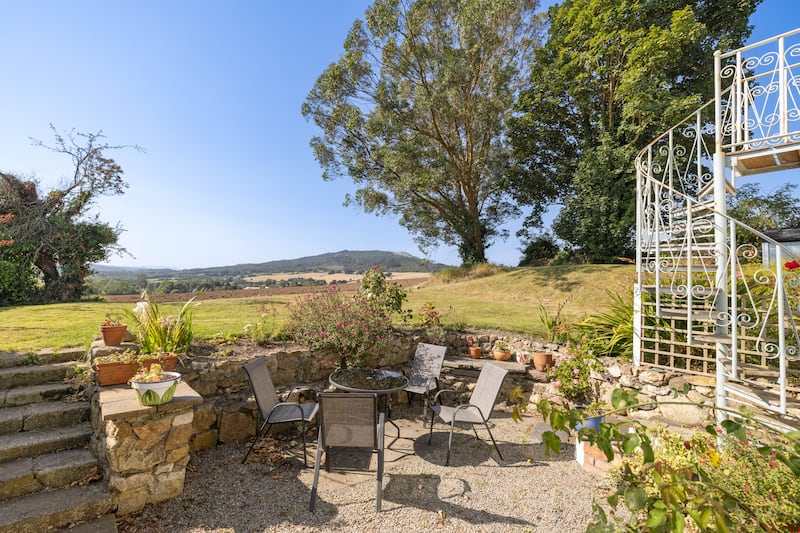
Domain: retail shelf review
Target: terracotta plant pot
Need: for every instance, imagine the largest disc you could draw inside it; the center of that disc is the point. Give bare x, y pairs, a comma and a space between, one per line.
113, 335
542, 361
119, 373
475, 352
501, 356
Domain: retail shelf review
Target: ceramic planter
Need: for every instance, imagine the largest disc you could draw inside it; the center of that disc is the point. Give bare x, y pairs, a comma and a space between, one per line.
475, 352
113, 335
157, 392
591, 421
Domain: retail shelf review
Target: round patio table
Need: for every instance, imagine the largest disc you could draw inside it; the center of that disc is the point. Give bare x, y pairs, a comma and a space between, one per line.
383, 383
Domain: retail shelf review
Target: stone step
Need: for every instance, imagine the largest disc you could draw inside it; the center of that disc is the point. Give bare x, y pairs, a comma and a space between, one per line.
42, 357
33, 443
36, 393
104, 524
24, 376
37, 416
52, 509
27, 475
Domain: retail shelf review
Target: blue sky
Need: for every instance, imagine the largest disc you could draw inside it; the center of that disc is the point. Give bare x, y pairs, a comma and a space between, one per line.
212, 92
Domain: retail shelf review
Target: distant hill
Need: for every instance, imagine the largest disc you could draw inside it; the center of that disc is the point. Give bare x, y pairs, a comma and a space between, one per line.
345, 261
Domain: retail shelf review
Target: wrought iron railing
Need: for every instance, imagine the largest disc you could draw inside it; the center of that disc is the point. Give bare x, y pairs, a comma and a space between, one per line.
707, 300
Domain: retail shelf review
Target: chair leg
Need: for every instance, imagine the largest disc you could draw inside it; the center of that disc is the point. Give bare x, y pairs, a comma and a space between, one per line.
303, 434
258, 436
430, 434
379, 492
316, 474
450, 443
493, 442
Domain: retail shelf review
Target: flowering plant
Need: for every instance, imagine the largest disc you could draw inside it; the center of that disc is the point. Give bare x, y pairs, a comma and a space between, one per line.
156, 333
571, 374
115, 320
351, 326
471, 341
791, 265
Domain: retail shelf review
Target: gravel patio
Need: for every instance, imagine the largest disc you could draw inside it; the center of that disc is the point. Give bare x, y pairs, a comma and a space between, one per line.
526, 491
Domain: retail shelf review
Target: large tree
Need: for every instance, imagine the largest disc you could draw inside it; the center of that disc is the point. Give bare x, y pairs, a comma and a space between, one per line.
415, 112
49, 238
612, 75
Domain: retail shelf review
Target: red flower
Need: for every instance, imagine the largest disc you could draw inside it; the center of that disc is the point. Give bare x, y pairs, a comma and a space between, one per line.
791, 265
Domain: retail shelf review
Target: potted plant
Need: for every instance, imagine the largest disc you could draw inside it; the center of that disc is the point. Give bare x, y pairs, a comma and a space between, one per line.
501, 351
594, 413
475, 350
542, 361
571, 374
113, 330
155, 386
118, 368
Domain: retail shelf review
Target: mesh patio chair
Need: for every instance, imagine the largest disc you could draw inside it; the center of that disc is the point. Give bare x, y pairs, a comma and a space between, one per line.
424, 375
477, 410
272, 410
348, 420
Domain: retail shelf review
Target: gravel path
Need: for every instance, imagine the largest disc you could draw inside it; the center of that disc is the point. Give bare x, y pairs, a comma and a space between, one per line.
527, 491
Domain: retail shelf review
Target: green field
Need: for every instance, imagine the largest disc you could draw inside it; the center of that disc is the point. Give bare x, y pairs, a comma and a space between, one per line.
507, 301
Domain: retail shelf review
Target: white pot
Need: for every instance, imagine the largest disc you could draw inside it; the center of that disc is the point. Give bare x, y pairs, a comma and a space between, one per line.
157, 392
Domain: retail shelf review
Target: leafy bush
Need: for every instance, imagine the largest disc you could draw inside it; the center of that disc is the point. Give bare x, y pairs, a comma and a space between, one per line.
389, 295
267, 327
352, 327
464, 273
571, 374
158, 333
612, 330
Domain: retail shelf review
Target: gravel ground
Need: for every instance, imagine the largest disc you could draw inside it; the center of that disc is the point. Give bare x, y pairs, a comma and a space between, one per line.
526, 491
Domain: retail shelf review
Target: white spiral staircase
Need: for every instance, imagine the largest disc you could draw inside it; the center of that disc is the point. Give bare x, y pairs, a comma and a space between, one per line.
706, 301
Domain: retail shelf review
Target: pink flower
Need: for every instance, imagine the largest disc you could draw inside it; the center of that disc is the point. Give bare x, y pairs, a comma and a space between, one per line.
556, 384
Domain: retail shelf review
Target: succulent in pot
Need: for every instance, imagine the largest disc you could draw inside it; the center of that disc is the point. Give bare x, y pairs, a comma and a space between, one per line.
155, 386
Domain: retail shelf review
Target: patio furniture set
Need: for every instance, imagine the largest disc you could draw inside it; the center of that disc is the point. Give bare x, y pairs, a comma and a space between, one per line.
355, 418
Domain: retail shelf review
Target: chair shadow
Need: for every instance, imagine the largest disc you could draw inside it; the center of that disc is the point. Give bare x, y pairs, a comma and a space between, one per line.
422, 491
470, 451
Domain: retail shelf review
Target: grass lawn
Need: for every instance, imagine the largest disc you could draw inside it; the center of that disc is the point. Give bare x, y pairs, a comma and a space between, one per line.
507, 301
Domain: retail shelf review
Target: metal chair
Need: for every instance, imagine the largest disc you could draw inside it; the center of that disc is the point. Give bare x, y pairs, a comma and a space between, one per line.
272, 410
348, 420
477, 410
424, 375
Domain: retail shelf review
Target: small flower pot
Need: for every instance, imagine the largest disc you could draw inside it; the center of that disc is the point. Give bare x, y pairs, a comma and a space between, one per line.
542, 361
113, 335
475, 352
152, 393
501, 355
592, 422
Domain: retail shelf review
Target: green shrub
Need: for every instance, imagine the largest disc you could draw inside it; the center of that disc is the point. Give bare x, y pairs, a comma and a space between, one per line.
570, 374
267, 327
156, 333
612, 330
351, 327
389, 295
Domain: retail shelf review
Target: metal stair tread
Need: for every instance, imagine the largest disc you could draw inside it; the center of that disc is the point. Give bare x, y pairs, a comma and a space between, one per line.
56, 508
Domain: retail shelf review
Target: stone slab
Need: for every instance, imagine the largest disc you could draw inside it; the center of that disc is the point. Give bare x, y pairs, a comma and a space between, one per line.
119, 402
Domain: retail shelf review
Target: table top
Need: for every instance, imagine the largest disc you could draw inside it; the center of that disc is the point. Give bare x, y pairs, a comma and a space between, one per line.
368, 380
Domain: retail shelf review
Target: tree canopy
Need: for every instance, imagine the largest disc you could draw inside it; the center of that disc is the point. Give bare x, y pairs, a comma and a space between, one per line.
612, 75
416, 110
49, 238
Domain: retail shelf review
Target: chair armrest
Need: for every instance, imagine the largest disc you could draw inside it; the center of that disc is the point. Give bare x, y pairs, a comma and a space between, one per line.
435, 398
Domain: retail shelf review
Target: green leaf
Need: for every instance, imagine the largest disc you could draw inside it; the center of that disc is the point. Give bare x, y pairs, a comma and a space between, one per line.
635, 499
655, 518
552, 444
647, 450
630, 442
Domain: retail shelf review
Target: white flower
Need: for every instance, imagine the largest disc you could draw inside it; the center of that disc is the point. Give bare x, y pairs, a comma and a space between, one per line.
141, 308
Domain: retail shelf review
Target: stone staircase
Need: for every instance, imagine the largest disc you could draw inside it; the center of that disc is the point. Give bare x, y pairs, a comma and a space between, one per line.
49, 477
